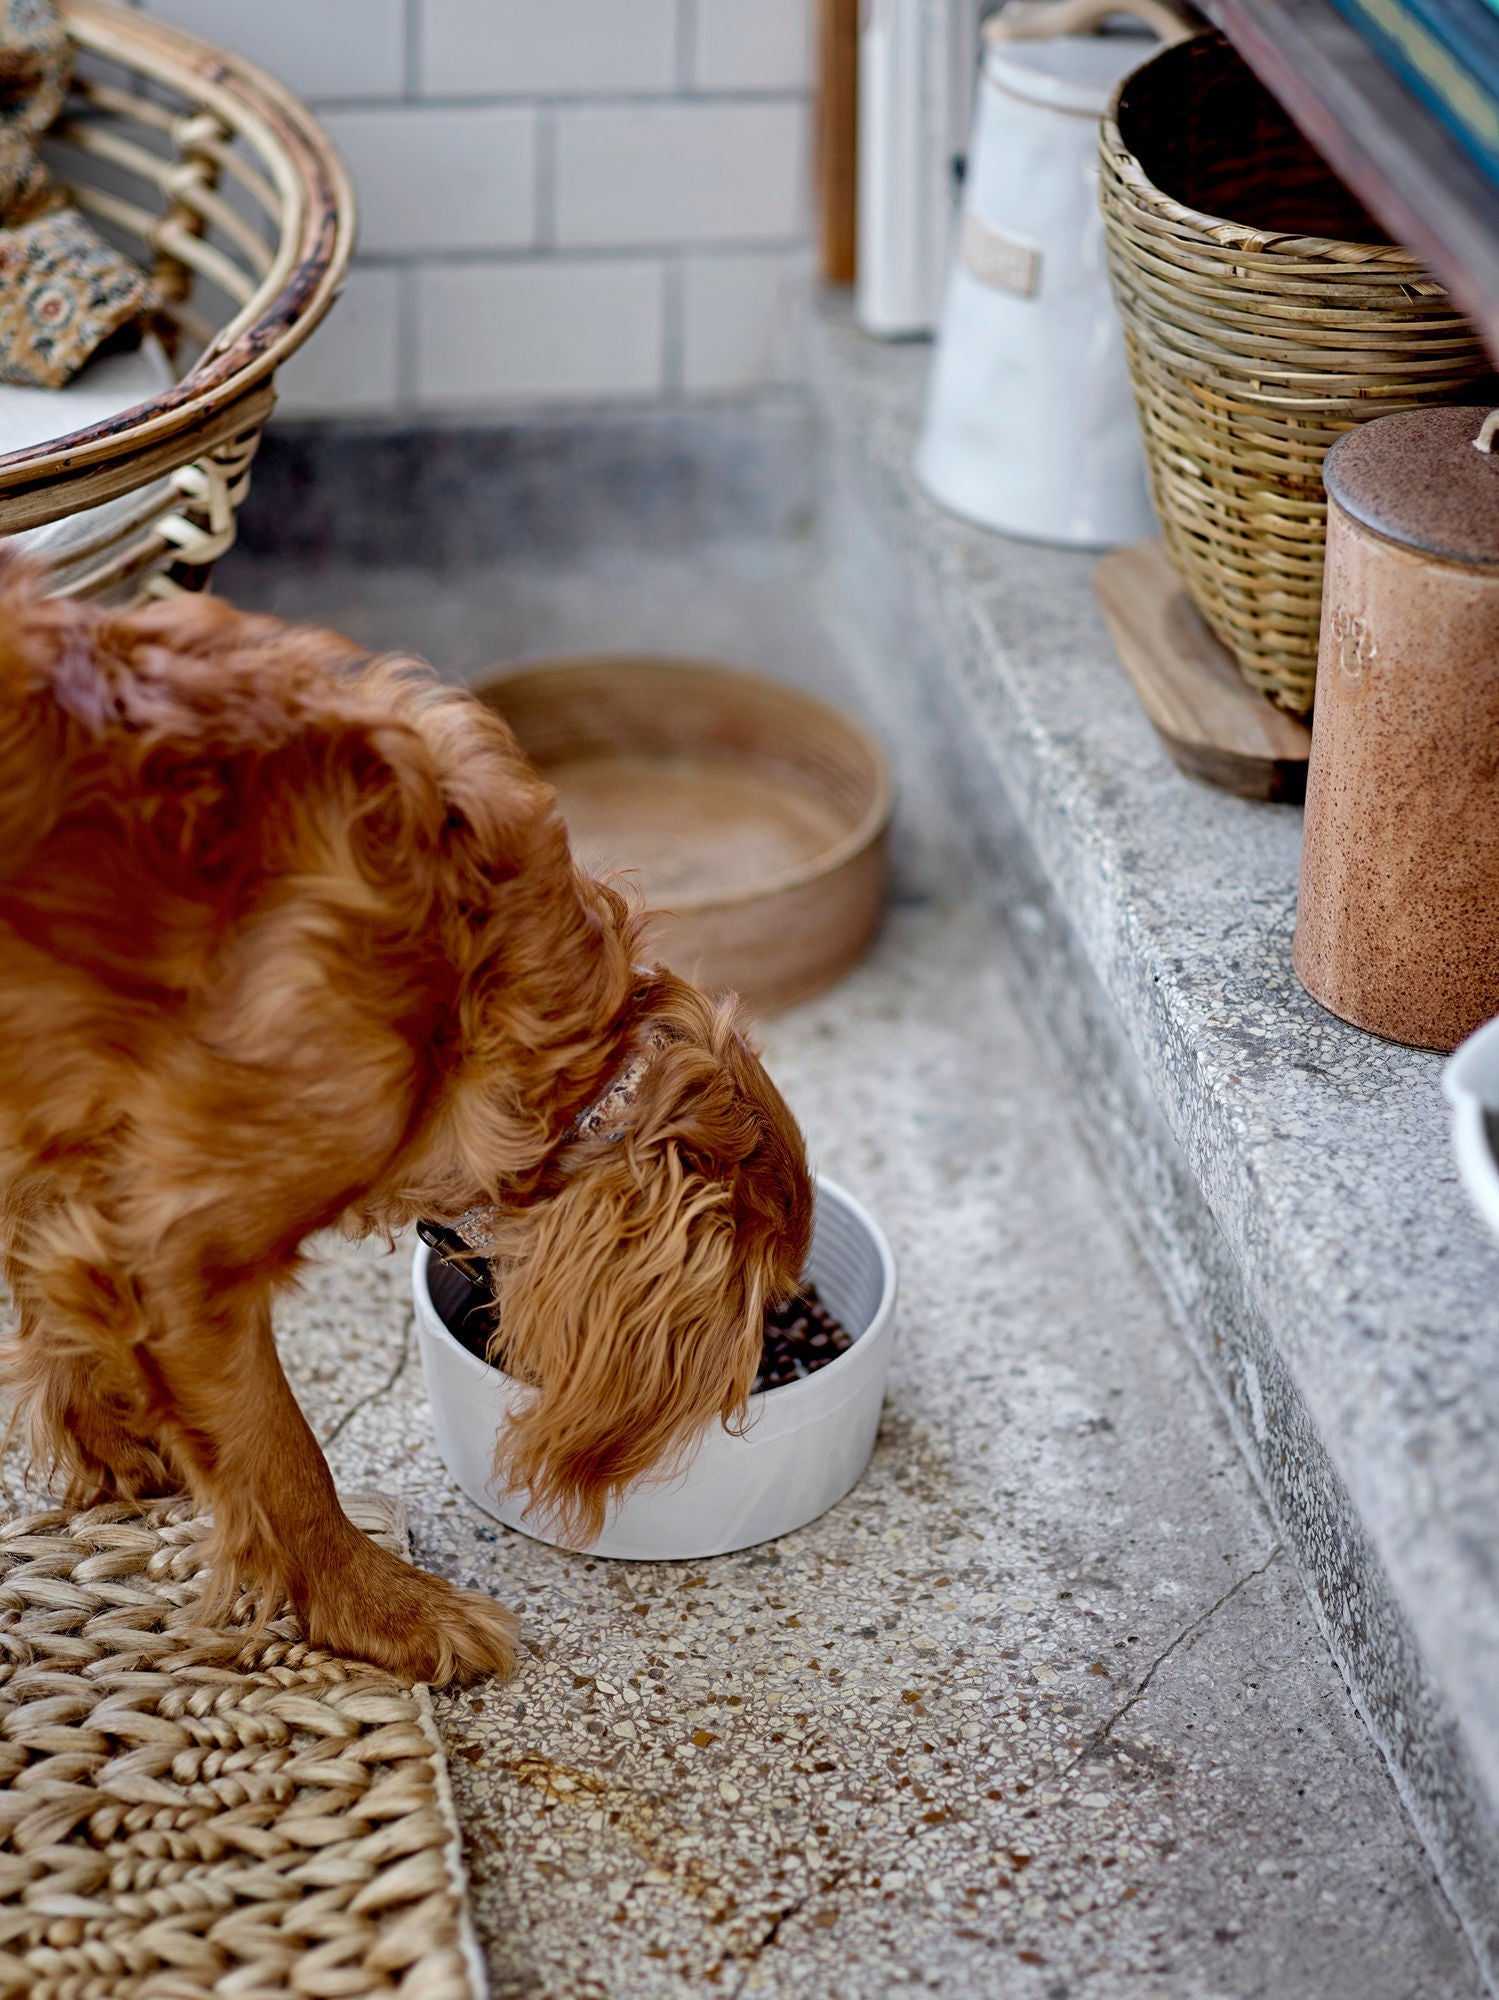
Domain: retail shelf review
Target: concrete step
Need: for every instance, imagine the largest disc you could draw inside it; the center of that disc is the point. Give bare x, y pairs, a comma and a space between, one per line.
1289, 1178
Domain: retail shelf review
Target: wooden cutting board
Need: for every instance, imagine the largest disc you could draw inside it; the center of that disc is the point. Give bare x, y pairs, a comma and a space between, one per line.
1216, 728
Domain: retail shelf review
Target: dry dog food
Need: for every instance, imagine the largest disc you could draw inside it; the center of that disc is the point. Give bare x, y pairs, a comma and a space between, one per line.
800, 1336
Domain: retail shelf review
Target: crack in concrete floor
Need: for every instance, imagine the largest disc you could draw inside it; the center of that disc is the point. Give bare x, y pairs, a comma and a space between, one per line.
1106, 1728
381, 1389
753, 1957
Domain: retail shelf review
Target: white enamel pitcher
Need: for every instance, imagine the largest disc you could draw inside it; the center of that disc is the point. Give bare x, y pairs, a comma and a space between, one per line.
1030, 422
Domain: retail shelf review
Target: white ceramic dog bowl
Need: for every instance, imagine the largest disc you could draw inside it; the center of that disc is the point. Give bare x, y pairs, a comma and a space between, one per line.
1471, 1081
803, 1448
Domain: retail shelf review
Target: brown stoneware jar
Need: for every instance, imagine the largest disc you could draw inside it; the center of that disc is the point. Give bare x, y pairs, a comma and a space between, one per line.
1398, 924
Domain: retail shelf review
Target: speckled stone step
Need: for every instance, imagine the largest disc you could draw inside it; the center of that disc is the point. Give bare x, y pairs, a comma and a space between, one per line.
1290, 1178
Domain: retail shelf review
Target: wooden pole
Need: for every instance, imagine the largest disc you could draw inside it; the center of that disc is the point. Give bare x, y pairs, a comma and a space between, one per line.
838, 137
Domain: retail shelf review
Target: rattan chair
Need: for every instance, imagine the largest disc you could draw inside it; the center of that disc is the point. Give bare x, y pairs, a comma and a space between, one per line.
222, 186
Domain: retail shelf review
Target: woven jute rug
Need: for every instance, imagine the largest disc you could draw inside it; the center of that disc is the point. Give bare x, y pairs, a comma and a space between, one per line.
183, 1815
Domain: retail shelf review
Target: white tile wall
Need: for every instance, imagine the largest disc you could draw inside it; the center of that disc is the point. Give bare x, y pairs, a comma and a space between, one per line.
321, 48
528, 47
681, 173
735, 319
754, 45
549, 331
559, 199
459, 178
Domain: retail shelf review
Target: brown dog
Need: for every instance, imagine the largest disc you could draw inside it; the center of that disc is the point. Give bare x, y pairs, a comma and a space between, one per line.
289, 937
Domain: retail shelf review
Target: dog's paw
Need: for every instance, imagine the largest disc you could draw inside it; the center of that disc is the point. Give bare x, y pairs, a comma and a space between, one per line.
416, 1626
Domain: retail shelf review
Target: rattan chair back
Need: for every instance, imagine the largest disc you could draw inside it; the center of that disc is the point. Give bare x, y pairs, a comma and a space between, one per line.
223, 186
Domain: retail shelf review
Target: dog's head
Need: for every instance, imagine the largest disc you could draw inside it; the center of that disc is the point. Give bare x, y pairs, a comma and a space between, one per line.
633, 1290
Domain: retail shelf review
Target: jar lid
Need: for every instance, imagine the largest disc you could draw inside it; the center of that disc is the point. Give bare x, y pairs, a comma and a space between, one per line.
1416, 478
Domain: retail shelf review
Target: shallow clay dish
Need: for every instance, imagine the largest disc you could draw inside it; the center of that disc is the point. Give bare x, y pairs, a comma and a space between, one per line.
755, 817
804, 1445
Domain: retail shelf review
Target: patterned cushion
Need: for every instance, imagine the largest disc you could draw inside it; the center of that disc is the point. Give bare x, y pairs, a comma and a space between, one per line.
63, 291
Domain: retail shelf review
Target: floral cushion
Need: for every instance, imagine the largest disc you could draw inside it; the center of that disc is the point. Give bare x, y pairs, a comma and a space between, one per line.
64, 292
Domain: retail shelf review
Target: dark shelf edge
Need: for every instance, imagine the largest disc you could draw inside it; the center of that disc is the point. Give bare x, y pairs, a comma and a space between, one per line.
1390, 149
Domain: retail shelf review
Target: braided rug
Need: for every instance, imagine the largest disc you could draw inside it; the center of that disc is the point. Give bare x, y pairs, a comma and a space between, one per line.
185, 1813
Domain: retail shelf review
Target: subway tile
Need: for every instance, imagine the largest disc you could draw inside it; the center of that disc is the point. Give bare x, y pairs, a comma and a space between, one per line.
550, 330
754, 45
680, 173
349, 363
736, 313
450, 179
557, 47
319, 48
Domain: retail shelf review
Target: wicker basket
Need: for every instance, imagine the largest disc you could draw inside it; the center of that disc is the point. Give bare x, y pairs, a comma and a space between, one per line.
1253, 348
221, 184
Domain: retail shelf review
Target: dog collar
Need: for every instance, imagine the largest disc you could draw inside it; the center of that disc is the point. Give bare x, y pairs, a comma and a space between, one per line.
604, 1118
595, 1120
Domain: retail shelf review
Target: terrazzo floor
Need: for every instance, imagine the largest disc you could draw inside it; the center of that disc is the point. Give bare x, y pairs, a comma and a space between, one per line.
1038, 1710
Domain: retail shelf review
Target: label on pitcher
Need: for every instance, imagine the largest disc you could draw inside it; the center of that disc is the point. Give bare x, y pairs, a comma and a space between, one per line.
1003, 262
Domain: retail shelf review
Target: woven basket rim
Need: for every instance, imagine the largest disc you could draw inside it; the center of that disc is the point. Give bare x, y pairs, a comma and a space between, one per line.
214, 78
1242, 235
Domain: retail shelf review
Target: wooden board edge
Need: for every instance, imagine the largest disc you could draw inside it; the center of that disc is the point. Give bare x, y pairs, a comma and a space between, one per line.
1142, 570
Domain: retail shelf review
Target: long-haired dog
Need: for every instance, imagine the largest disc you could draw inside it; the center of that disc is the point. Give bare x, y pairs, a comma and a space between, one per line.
290, 937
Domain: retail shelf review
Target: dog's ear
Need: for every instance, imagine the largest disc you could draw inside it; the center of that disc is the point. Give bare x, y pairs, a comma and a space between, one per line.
630, 1303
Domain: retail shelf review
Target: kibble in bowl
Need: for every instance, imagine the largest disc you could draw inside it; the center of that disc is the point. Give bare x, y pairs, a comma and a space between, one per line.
807, 1440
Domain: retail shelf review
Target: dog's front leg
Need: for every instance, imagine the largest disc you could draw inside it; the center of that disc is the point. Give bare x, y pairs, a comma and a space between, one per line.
228, 1413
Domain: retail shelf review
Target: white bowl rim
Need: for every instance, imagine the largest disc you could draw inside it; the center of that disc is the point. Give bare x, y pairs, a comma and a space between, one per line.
818, 1382
1470, 1079
1472, 1070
